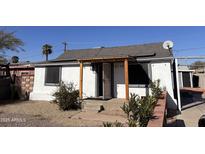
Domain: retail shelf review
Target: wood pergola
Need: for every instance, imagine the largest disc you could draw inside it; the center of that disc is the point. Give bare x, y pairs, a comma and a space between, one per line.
110, 59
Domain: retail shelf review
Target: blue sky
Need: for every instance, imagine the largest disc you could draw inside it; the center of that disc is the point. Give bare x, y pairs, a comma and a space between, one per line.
89, 37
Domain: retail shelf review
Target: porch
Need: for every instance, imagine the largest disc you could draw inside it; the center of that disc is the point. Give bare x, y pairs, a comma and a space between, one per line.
105, 76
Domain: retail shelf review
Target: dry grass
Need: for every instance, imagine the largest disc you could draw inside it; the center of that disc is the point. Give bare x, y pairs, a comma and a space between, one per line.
43, 110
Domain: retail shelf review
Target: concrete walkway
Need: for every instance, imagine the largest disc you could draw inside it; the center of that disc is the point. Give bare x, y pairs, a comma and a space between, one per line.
190, 116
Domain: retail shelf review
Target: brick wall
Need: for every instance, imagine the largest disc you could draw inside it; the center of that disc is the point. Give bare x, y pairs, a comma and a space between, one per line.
24, 80
27, 83
159, 116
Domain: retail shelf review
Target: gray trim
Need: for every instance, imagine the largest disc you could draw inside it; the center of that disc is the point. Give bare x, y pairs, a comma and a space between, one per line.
155, 59
61, 64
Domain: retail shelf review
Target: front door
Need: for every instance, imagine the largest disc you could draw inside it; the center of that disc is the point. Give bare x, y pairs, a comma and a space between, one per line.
107, 81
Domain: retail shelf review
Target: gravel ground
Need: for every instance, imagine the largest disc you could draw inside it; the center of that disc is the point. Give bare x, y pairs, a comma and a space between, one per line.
46, 114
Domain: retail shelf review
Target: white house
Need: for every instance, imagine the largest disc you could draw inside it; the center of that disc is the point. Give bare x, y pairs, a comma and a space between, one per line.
107, 72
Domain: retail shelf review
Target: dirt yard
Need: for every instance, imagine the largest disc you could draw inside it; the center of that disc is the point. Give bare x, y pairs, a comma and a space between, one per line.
46, 114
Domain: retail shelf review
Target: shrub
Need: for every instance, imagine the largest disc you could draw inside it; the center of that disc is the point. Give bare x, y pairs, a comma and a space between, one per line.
146, 110
132, 110
107, 124
140, 110
67, 97
156, 90
118, 124
110, 124
132, 123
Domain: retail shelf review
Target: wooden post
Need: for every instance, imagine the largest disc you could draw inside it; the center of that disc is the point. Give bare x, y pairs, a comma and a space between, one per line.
126, 79
81, 81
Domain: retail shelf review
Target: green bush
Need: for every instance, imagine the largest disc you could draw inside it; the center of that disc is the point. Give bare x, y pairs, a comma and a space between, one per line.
107, 124
146, 110
132, 123
118, 124
140, 110
67, 97
156, 90
110, 124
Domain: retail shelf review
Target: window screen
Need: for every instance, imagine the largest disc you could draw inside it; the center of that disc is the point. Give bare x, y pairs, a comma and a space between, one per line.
138, 74
52, 75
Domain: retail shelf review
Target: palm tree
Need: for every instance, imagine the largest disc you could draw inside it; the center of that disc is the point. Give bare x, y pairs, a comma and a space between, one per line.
47, 49
15, 59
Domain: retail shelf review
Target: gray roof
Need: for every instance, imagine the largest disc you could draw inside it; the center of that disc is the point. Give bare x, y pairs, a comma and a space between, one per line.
153, 50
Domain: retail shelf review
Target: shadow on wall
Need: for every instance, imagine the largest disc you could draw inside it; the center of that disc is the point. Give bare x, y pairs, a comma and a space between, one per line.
176, 123
171, 102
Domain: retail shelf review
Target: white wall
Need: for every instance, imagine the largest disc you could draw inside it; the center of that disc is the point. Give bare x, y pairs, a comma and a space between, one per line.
162, 71
69, 74
40, 91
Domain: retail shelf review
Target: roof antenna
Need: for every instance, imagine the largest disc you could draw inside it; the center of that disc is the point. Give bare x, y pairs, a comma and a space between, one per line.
65, 46
168, 45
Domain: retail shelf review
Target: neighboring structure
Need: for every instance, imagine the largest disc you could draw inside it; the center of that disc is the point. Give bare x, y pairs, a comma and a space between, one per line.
16, 80
112, 72
199, 77
200, 70
185, 77
199, 80
22, 75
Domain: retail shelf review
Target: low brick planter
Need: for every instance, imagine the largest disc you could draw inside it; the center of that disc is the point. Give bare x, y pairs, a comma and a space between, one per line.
159, 116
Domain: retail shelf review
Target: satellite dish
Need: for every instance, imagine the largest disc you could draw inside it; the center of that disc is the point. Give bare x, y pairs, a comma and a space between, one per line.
168, 44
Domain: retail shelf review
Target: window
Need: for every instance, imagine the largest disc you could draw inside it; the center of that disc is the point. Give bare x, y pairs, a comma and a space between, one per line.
138, 74
186, 79
52, 76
